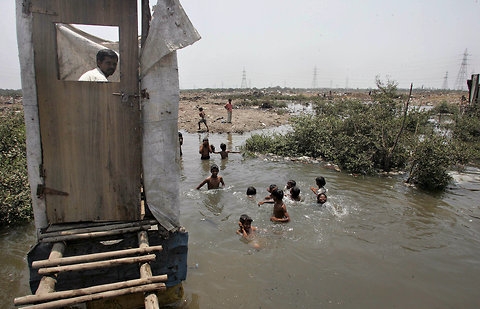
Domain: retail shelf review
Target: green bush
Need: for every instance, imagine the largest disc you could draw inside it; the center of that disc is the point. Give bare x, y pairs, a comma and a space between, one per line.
430, 163
15, 201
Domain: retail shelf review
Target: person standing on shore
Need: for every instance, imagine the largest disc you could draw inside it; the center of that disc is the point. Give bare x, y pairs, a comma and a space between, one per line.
229, 108
203, 118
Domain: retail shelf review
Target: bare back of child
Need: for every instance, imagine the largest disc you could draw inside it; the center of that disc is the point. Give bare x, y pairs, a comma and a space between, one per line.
280, 213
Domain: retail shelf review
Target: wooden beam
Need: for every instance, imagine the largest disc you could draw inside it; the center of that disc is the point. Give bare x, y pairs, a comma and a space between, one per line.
93, 257
95, 234
34, 299
100, 264
81, 299
92, 227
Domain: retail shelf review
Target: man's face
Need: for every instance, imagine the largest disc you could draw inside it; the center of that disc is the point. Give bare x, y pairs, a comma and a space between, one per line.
108, 65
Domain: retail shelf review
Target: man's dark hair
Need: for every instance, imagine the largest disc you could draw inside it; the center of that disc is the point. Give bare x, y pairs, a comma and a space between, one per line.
103, 53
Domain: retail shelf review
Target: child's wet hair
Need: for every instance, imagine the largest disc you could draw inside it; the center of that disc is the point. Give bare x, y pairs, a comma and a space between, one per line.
295, 191
214, 167
272, 187
251, 191
245, 218
223, 146
277, 193
292, 183
320, 180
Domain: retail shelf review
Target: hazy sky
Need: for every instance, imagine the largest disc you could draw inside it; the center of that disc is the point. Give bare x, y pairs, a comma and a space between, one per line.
305, 43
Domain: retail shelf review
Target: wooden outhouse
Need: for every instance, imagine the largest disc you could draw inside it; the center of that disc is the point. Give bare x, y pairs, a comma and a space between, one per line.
102, 155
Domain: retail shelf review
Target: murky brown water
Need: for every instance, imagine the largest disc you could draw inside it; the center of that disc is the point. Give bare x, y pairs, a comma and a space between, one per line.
376, 243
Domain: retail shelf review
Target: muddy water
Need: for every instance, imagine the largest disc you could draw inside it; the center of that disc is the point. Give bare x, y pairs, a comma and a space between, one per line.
376, 243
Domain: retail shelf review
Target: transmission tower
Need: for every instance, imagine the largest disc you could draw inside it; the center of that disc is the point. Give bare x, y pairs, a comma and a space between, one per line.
314, 82
244, 79
462, 73
445, 81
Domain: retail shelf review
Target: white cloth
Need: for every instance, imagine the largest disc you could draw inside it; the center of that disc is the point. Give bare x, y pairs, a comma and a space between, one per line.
95, 75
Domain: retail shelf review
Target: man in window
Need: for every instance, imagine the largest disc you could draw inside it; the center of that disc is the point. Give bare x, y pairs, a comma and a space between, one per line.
107, 60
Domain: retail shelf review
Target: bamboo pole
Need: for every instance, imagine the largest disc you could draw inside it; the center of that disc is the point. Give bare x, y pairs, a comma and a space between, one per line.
95, 234
99, 264
97, 228
33, 299
151, 299
108, 294
47, 283
93, 257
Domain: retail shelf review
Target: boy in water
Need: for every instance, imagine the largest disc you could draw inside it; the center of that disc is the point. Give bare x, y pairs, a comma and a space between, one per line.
295, 194
321, 198
280, 213
214, 180
203, 118
290, 184
224, 152
251, 191
269, 198
320, 184
206, 149
245, 227
180, 141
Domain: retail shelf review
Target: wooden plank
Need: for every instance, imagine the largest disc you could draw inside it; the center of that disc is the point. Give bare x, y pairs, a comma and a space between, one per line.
87, 228
95, 234
33, 299
93, 257
81, 299
99, 264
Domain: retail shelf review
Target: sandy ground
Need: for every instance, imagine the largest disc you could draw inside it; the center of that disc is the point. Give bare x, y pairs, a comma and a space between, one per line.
244, 119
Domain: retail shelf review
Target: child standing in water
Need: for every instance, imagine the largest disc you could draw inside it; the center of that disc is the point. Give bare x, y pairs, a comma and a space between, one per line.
268, 198
320, 184
280, 213
214, 180
205, 149
224, 152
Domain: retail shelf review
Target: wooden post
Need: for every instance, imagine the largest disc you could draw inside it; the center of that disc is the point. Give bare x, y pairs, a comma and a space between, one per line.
47, 283
151, 299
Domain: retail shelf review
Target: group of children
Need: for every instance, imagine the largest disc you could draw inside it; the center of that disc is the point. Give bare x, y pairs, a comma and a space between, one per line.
280, 213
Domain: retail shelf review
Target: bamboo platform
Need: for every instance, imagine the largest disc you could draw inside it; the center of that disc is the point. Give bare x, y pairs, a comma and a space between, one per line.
81, 263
